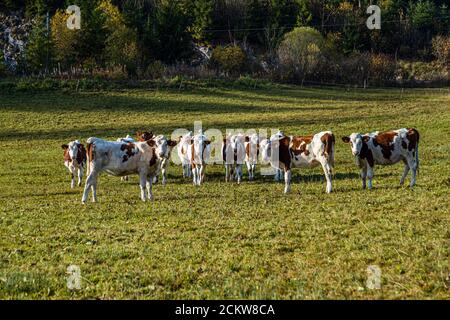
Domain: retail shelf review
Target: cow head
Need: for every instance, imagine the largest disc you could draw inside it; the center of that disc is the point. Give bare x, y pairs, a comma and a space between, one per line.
164, 146
144, 136
356, 141
72, 149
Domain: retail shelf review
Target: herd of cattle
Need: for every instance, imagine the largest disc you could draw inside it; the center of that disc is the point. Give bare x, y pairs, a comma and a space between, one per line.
149, 156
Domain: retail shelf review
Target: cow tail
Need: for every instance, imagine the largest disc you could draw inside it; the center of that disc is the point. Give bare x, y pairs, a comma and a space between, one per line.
417, 151
329, 145
89, 156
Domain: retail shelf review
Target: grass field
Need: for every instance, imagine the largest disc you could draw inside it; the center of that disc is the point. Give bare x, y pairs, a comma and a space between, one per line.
223, 240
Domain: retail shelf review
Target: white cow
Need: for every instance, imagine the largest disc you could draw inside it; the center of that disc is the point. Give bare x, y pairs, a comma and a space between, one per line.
199, 153
75, 159
122, 159
251, 154
164, 144
233, 154
384, 149
287, 152
182, 149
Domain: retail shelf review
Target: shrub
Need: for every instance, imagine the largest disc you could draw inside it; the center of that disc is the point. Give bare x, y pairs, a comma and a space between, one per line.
382, 69
441, 50
230, 60
155, 70
301, 51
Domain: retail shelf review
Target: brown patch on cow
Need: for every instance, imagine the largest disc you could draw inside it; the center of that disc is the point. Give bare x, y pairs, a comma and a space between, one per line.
366, 153
151, 143
81, 154
285, 155
328, 140
300, 144
129, 151
144, 136
247, 148
67, 155
385, 141
413, 138
172, 143
192, 154
90, 151
154, 158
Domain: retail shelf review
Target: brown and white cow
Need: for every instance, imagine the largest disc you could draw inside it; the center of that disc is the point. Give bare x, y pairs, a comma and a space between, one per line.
182, 150
233, 155
122, 159
251, 154
162, 143
75, 159
300, 152
199, 153
385, 148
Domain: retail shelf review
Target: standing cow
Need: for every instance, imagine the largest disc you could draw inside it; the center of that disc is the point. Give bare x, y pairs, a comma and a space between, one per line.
182, 149
199, 152
75, 159
233, 154
300, 152
384, 149
122, 159
164, 144
251, 154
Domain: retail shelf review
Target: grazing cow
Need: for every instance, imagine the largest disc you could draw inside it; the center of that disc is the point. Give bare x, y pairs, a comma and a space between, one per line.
164, 144
251, 154
127, 139
199, 152
183, 147
75, 159
122, 159
233, 153
302, 152
386, 148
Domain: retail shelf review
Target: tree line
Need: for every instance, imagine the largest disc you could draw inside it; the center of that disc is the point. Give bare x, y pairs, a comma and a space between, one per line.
290, 39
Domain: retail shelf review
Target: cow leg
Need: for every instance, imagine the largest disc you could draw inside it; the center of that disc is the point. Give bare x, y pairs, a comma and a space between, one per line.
277, 177
72, 176
149, 188
412, 163
142, 184
91, 183
287, 180
369, 176
164, 166
239, 173
80, 176
328, 172
363, 176
227, 173
405, 173
194, 175
202, 173
249, 170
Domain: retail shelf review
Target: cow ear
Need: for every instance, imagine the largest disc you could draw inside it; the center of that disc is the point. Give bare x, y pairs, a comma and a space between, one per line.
346, 139
366, 139
65, 146
207, 142
151, 143
172, 143
247, 139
